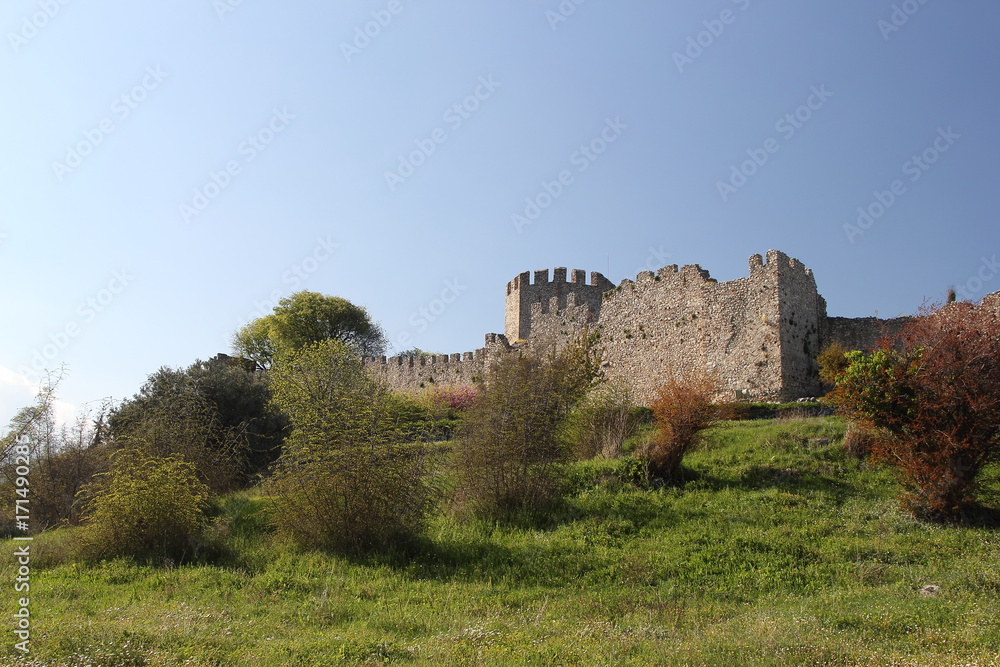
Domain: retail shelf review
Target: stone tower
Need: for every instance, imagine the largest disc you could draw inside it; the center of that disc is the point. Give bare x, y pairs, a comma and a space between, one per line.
540, 309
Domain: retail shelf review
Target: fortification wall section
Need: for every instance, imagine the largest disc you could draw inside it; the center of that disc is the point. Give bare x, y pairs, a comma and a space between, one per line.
860, 333
416, 373
554, 324
537, 310
802, 313
760, 333
864, 333
742, 331
683, 319
991, 301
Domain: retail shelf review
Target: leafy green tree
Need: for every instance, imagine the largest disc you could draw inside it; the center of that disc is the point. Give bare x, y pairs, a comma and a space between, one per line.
222, 395
343, 480
304, 318
832, 361
242, 402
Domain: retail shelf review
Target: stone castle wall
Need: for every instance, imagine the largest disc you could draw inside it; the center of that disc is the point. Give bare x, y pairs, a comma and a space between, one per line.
860, 333
760, 333
802, 312
546, 308
683, 319
415, 373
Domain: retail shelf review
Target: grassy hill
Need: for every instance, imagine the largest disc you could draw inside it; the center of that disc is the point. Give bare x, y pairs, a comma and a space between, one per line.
777, 549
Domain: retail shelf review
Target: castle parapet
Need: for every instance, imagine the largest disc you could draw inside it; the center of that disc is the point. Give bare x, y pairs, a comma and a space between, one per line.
526, 301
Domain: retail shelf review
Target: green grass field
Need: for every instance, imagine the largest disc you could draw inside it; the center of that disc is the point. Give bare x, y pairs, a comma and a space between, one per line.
777, 549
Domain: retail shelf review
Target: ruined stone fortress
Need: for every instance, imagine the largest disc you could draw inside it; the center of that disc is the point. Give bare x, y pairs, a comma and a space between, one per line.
760, 333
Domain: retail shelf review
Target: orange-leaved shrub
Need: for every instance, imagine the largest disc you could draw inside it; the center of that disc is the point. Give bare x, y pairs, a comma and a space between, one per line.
683, 410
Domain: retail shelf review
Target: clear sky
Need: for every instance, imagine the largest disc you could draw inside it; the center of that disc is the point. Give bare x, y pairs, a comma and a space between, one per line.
172, 169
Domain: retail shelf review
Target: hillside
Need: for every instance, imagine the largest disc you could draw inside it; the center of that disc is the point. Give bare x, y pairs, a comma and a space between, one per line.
777, 549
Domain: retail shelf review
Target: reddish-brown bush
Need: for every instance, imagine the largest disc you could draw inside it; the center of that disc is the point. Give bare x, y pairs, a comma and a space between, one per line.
683, 409
932, 402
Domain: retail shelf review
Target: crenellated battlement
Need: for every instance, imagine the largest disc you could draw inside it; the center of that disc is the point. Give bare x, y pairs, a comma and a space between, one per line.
530, 301
559, 276
760, 332
416, 372
427, 359
778, 261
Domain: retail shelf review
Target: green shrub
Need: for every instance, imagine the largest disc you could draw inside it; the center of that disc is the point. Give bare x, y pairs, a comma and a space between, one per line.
832, 361
146, 506
353, 498
184, 424
344, 481
512, 447
642, 415
931, 401
413, 421
603, 421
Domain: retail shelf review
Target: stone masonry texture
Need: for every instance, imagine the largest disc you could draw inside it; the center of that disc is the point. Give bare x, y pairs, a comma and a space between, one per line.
760, 333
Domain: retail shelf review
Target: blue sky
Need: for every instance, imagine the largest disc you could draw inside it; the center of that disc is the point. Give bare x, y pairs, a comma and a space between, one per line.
172, 169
